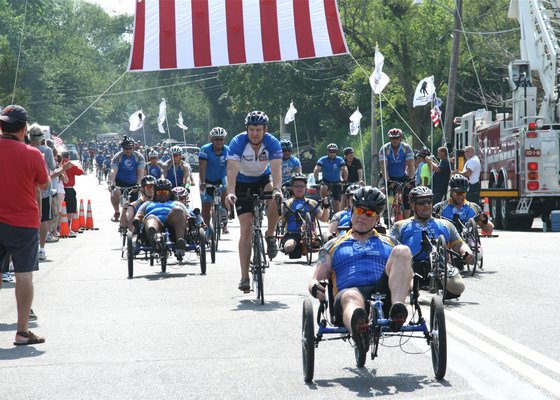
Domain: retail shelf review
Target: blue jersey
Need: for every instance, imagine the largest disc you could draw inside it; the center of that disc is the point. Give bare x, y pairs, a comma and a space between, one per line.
99, 159
447, 210
343, 217
359, 264
215, 164
127, 167
331, 168
160, 210
303, 206
288, 167
409, 233
176, 172
154, 170
396, 165
107, 162
252, 167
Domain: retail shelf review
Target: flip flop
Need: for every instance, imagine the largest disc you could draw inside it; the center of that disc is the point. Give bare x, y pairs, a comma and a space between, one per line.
116, 217
31, 338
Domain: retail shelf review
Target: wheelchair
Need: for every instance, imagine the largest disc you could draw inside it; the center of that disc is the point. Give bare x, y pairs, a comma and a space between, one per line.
434, 332
138, 248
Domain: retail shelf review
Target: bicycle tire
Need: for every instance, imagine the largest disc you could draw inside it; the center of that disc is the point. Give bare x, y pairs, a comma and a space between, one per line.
308, 340
441, 267
163, 261
202, 249
308, 241
438, 334
213, 244
129, 255
258, 263
216, 226
475, 238
124, 244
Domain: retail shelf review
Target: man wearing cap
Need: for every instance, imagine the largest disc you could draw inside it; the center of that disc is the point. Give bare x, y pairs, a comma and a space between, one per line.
23, 171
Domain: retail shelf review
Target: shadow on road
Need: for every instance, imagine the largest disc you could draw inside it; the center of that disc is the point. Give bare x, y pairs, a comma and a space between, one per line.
255, 305
20, 352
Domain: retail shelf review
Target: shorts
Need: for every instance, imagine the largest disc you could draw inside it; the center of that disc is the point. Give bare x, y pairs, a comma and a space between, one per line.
134, 195
336, 189
22, 244
71, 201
382, 286
295, 236
46, 211
244, 205
208, 195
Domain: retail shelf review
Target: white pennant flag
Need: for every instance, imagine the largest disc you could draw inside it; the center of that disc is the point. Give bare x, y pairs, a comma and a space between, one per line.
136, 121
355, 119
162, 115
180, 122
425, 91
378, 79
291, 114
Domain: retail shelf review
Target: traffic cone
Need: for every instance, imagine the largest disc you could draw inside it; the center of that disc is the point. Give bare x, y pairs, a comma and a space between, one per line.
64, 228
89, 218
76, 223
82, 217
486, 211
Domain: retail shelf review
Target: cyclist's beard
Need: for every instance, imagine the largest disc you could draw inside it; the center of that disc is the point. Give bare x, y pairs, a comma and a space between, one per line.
457, 203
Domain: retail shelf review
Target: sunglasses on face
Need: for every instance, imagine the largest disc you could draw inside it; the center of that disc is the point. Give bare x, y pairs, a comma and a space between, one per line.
298, 186
395, 138
218, 140
365, 211
423, 202
148, 186
332, 151
162, 191
128, 148
459, 193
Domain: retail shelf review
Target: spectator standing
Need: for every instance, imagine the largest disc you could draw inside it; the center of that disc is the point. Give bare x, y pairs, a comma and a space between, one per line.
442, 174
23, 171
69, 192
472, 171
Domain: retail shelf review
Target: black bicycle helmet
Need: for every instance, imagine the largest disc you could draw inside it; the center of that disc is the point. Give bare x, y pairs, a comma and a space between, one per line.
163, 184
351, 189
127, 141
298, 177
256, 118
395, 133
332, 147
458, 183
148, 180
424, 152
420, 191
369, 197
286, 144
348, 150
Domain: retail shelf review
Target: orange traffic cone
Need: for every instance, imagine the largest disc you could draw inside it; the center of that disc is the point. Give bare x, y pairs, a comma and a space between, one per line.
64, 228
82, 217
89, 218
486, 211
76, 223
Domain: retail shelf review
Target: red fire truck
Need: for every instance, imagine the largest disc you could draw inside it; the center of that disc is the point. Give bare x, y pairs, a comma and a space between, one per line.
520, 152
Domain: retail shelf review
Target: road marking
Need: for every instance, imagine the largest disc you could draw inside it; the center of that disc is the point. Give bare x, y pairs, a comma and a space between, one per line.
506, 342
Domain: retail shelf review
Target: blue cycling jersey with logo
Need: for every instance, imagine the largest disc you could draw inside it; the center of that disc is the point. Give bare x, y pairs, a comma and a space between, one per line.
343, 217
160, 210
215, 164
303, 206
99, 159
175, 174
288, 167
254, 165
154, 170
396, 165
127, 167
447, 209
331, 168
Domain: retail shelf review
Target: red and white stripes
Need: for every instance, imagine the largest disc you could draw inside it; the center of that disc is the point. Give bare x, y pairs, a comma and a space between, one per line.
181, 34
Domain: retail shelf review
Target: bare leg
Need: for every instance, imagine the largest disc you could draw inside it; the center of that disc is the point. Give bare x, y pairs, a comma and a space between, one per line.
245, 243
24, 299
399, 271
350, 301
115, 198
177, 219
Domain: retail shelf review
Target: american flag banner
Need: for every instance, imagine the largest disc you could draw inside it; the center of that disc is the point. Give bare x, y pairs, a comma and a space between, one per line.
182, 34
57, 141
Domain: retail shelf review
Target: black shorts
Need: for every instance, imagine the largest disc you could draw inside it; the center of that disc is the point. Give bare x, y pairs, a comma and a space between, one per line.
382, 286
134, 195
336, 189
22, 244
46, 210
295, 236
71, 201
244, 205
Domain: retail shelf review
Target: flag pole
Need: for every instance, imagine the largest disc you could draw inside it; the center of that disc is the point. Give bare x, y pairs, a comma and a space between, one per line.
362, 146
169, 137
295, 131
384, 166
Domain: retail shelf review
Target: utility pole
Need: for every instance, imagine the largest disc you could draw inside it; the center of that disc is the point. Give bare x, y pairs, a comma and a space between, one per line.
374, 147
452, 79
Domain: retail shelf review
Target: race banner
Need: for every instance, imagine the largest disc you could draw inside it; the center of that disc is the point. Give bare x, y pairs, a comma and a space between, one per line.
182, 34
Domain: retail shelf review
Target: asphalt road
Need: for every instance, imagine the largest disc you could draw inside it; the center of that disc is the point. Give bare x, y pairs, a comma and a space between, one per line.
181, 335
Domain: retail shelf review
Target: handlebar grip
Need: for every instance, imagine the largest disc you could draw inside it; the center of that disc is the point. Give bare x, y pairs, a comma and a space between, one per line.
231, 213
279, 206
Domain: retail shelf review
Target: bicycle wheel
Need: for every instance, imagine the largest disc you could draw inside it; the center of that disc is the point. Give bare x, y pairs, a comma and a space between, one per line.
308, 340
440, 267
124, 235
163, 261
202, 247
216, 226
129, 254
438, 334
258, 265
212, 244
473, 240
308, 237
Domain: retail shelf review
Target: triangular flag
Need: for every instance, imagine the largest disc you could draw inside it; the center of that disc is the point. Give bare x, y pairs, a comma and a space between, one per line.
425, 91
162, 115
180, 122
378, 79
291, 114
355, 119
136, 121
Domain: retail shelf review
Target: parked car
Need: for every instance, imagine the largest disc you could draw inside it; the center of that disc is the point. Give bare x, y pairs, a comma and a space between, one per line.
313, 189
190, 153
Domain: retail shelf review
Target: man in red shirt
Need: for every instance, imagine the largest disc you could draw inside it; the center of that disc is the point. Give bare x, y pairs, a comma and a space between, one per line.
23, 173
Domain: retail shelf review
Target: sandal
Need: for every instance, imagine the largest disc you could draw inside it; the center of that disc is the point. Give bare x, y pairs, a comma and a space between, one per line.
31, 338
116, 216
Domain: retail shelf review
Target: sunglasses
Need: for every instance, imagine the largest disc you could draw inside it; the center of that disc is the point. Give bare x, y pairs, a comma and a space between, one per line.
218, 140
129, 148
423, 202
395, 138
332, 151
162, 191
148, 186
362, 211
459, 193
298, 186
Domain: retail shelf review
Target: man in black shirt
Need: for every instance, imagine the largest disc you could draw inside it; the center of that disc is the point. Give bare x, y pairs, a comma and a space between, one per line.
354, 165
442, 173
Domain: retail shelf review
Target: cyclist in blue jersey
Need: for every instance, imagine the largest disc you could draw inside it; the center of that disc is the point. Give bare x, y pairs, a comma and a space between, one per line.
164, 212
340, 222
212, 169
290, 163
396, 160
127, 170
177, 170
154, 167
291, 241
255, 156
165, 157
99, 160
107, 165
409, 232
458, 207
334, 172
364, 262
147, 186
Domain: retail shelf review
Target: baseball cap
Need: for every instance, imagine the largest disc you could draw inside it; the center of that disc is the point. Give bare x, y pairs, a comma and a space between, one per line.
13, 113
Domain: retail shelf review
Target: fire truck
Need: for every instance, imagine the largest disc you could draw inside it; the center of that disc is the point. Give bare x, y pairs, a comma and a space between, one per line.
519, 152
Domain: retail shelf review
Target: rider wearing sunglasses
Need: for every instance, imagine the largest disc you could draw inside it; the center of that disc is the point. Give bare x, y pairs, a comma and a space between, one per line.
364, 262
147, 185
409, 233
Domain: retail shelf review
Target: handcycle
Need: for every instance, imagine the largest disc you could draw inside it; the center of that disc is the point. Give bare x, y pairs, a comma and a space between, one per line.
395, 197
435, 334
126, 194
311, 241
216, 223
259, 262
469, 234
139, 248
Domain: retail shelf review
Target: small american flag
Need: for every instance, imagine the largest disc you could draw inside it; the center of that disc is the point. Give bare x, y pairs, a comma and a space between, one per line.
57, 141
436, 116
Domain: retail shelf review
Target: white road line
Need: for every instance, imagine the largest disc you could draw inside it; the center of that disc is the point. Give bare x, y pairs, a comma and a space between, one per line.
504, 341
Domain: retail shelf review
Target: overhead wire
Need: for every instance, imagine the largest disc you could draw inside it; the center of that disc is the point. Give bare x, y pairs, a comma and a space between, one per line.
19, 51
